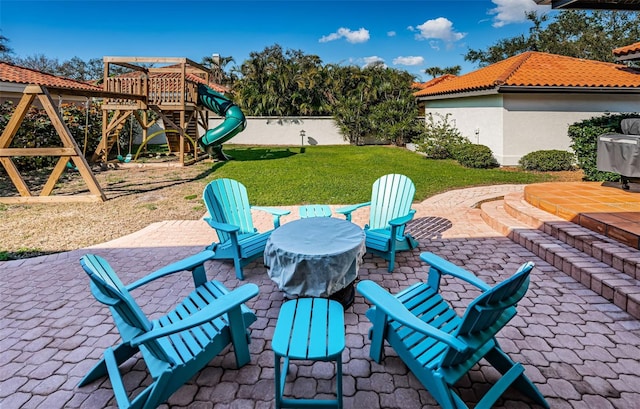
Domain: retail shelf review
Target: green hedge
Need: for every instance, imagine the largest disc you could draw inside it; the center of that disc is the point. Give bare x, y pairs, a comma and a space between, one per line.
548, 160
475, 156
584, 137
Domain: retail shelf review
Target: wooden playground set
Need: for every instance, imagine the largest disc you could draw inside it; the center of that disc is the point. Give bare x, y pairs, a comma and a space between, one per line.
178, 91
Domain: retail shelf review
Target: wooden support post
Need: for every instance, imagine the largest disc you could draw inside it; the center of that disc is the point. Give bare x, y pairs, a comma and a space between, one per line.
18, 116
10, 132
183, 127
15, 177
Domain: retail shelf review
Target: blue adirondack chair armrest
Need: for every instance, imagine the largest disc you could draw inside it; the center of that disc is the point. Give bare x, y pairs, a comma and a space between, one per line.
217, 308
187, 264
442, 266
277, 213
347, 210
395, 310
229, 228
402, 220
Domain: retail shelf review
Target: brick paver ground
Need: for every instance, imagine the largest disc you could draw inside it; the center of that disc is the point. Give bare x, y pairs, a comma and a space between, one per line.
579, 349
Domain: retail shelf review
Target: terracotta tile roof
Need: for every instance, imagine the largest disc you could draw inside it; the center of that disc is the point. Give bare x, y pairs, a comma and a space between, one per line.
212, 85
626, 50
22, 75
434, 81
539, 70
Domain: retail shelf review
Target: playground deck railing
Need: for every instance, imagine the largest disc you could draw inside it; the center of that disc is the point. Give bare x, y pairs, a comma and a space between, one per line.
160, 91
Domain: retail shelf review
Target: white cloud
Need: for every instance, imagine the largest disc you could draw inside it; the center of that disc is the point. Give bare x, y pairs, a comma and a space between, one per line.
391, 33
374, 59
440, 29
412, 60
513, 11
359, 36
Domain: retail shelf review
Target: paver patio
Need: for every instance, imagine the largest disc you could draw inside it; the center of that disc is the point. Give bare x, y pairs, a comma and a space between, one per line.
579, 349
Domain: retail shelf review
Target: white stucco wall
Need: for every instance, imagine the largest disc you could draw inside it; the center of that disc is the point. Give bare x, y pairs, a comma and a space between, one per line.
535, 122
513, 125
278, 131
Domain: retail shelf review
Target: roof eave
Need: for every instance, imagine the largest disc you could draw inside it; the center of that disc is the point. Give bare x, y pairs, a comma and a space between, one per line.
8, 86
461, 94
506, 89
591, 4
629, 57
566, 89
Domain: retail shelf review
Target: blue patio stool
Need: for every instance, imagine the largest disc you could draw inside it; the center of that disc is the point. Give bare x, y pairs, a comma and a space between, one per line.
310, 329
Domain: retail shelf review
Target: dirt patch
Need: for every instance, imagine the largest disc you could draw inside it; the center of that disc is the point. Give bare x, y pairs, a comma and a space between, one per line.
568, 176
561, 176
137, 196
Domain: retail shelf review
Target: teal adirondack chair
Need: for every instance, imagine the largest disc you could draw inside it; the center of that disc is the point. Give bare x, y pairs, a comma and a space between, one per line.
314, 210
178, 345
439, 346
230, 215
390, 211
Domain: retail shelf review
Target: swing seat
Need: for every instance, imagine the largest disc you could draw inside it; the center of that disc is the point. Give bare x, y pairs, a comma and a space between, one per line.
125, 159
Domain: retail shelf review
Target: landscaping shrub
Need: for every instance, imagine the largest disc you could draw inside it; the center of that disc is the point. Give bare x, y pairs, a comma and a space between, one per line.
584, 137
475, 156
439, 137
548, 160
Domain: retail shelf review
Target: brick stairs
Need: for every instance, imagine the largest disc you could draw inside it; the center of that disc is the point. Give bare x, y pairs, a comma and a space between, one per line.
602, 264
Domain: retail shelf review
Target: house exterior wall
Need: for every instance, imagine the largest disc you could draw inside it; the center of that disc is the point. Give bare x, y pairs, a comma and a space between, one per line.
515, 124
541, 121
11, 91
479, 119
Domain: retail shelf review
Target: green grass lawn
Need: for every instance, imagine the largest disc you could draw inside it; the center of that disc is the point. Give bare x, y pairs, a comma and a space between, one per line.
344, 174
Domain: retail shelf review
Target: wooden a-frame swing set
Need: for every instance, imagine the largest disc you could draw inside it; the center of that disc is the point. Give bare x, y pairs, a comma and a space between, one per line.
69, 151
173, 99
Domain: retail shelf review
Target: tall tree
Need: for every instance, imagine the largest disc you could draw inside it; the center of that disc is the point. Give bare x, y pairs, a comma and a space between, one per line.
5, 50
374, 102
39, 62
574, 33
81, 70
217, 66
275, 82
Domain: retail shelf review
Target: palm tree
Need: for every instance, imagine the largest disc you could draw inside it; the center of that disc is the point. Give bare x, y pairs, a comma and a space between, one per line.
216, 65
438, 71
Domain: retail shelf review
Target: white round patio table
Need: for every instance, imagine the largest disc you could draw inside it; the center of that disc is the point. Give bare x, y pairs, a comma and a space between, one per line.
315, 257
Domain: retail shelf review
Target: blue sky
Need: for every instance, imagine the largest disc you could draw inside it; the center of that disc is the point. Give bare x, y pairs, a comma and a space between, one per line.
410, 35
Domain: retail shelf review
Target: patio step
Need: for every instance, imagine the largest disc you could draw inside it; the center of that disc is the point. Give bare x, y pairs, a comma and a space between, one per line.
605, 249
610, 269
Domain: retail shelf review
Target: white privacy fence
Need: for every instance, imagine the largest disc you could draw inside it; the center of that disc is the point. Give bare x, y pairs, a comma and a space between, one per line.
288, 131
292, 131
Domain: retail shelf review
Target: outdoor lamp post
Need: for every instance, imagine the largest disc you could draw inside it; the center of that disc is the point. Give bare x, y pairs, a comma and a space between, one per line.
302, 135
